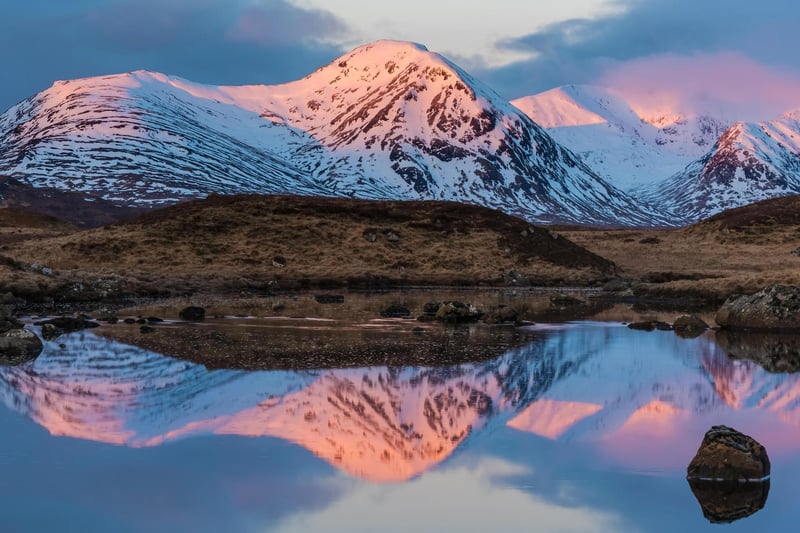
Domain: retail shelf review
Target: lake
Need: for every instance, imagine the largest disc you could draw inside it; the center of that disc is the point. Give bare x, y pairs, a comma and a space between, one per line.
575, 426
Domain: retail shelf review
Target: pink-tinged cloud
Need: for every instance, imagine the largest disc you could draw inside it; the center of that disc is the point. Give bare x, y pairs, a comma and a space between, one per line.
279, 23
727, 84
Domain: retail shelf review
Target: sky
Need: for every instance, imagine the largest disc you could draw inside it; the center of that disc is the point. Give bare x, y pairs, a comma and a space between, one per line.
726, 54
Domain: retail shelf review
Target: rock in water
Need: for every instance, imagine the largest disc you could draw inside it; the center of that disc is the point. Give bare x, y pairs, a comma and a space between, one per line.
689, 326
776, 308
19, 346
727, 455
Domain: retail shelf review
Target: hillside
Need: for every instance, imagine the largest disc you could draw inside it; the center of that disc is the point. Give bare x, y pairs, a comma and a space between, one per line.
389, 120
740, 250
229, 244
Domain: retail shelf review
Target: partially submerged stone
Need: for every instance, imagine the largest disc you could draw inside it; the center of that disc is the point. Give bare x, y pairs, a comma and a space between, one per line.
451, 311
19, 346
775, 308
728, 455
650, 325
689, 326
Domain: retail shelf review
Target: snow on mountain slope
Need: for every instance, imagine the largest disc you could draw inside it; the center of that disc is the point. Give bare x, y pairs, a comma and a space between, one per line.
388, 120
137, 139
628, 148
749, 163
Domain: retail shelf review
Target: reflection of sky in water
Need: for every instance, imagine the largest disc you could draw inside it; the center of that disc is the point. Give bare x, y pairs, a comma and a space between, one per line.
589, 429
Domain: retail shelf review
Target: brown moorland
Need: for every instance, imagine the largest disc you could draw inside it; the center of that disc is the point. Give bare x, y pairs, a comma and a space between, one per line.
738, 251
246, 244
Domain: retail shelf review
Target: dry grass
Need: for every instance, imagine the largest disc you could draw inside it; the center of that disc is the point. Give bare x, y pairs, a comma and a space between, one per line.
254, 243
739, 251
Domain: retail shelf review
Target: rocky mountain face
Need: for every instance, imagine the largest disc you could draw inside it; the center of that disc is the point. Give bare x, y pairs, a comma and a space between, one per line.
750, 162
388, 120
630, 148
692, 166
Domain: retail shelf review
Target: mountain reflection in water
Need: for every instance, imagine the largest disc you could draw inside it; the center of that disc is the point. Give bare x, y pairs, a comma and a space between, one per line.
642, 399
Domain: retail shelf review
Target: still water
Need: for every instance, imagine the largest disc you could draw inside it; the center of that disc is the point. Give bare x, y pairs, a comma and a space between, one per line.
584, 426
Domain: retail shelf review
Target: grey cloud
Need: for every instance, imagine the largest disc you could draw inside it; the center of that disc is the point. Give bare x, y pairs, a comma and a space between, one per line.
200, 40
580, 50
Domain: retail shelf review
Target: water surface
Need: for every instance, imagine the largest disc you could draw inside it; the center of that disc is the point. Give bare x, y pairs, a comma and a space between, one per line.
586, 426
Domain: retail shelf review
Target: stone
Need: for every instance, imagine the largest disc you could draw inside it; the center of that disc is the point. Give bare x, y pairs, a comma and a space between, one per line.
728, 455
147, 329
775, 308
154, 320
279, 261
193, 313
7, 324
278, 307
501, 314
51, 332
455, 311
68, 324
689, 326
396, 311
130, 321
19, 346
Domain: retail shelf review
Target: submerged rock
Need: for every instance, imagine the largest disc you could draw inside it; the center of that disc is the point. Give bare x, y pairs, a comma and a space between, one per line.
728, 455
776, 308
19, 346
689, 326
452, 311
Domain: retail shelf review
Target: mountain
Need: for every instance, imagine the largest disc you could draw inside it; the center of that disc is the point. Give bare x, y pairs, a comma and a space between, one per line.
388, 120
630, 148
750, 162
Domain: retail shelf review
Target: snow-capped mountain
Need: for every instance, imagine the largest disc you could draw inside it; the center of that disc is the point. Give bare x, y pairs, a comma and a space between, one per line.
388, 120
643, 398
749, 163
630, 148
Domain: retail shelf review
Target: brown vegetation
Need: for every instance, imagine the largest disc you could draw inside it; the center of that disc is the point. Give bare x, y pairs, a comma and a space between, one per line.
229, 244
738, 251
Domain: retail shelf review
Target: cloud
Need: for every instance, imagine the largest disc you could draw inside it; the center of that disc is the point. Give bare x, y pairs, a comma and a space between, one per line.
728, 84
585, 50
209, 41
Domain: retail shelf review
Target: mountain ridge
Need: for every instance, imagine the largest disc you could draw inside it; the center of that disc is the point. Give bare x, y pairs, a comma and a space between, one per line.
388, 120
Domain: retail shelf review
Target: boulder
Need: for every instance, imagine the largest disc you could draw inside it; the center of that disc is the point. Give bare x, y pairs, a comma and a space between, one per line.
776, 308
7, 324
19, 346
728, 455
192, 313
689, 326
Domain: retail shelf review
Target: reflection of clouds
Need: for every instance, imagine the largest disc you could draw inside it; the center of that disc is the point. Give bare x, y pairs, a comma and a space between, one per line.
456, 499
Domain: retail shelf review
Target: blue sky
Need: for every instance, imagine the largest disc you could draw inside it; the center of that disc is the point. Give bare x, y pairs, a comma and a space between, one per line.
519, 48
